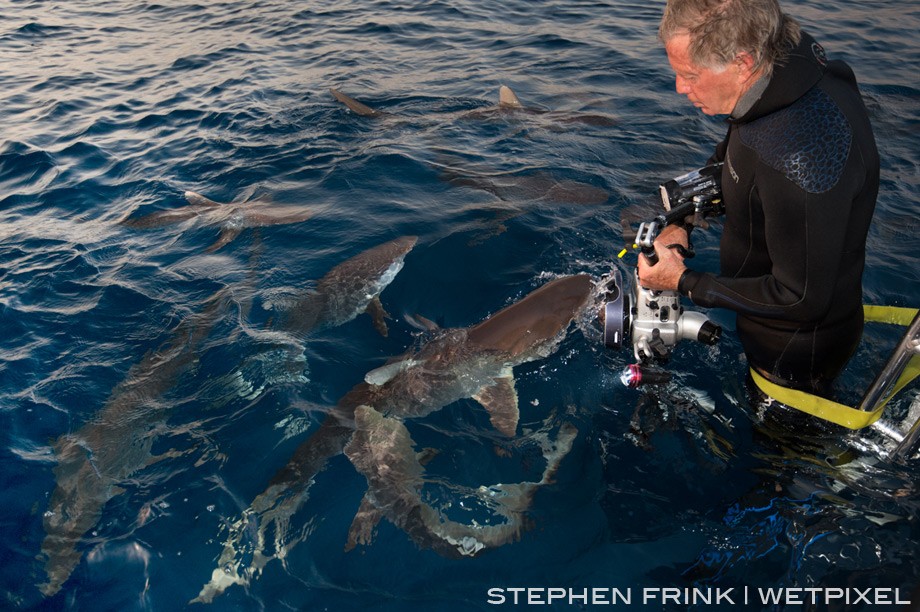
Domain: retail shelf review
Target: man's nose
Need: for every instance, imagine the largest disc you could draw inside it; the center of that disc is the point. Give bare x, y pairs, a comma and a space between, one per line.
682, 86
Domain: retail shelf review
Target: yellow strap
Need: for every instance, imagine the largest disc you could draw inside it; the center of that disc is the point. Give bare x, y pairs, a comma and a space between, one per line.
889, 314
820, 407
829, 410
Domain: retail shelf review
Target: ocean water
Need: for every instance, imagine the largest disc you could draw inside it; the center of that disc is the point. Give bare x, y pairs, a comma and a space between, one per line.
112, 110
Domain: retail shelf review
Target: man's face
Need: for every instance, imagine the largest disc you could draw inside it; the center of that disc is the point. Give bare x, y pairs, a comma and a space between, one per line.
713, 92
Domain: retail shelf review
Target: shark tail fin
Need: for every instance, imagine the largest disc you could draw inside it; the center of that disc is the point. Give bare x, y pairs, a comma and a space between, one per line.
354, 105
507, 99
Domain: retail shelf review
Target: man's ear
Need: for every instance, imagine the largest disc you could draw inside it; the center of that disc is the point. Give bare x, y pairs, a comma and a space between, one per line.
744, 62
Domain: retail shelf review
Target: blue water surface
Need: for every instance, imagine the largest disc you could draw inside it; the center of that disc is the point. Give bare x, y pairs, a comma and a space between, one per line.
112, 110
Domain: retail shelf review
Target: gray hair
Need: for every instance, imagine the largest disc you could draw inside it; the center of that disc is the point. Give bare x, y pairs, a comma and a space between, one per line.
720, 29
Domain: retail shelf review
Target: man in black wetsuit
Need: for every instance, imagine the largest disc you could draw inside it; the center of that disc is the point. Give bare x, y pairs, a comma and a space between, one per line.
799, 181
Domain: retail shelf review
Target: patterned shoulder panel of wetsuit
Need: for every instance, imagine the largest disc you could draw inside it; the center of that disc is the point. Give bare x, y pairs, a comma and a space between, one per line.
808, 142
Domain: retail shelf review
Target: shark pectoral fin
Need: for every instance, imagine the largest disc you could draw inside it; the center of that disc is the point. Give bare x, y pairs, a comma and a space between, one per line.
421, 323
227, 235
170, 454
507, 99
501, 401
384, 373
364, 525
196, 199
379, 316
426, 455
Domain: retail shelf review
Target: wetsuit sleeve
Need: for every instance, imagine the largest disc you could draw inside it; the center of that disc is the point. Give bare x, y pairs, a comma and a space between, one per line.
805, 233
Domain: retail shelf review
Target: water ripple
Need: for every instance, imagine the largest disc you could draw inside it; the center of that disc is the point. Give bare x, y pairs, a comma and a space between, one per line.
113, 110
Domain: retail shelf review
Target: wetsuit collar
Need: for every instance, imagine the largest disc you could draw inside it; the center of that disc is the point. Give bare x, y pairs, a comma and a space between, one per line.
750, 97
802, 69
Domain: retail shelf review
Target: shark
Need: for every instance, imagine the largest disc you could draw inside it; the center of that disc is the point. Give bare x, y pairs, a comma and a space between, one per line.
231, 218
540, 186
516, 192
381, 449
508, 102
351, 288
94, 460
453, 364
103, 453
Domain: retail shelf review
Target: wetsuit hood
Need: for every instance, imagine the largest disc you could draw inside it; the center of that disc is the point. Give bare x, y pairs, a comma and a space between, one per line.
799, 72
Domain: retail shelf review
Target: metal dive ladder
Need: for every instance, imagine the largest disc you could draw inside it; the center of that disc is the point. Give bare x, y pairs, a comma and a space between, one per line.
883, 387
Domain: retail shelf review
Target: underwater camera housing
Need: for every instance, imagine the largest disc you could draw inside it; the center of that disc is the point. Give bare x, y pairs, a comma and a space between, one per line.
653, 322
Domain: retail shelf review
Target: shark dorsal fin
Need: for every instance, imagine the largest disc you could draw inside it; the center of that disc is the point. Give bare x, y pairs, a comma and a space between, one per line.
501, 401
507, 99
196, 199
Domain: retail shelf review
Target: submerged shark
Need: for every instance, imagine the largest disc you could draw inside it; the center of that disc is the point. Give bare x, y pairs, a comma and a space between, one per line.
106, 451
529, 188
506, 100
231, 218
382, 451
94, 460
347, 290
475, 362
517, 193
509, 102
